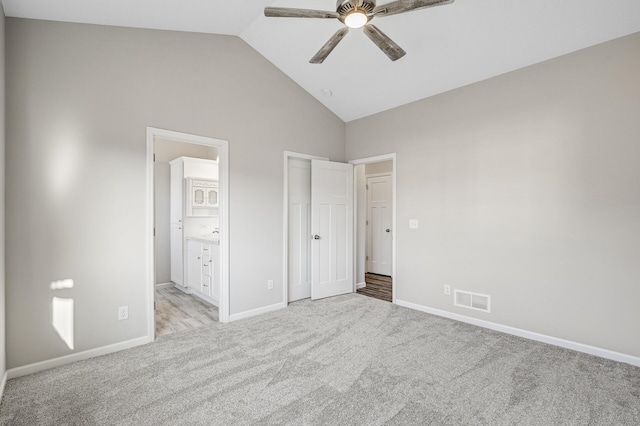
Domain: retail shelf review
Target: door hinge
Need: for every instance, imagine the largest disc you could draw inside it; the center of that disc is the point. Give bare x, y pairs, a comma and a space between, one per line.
154, 232
367, 187
367, 257
367, 222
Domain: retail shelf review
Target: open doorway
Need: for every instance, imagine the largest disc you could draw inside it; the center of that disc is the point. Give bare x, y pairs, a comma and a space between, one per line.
306, 266
374, 226
187, 230
188, 205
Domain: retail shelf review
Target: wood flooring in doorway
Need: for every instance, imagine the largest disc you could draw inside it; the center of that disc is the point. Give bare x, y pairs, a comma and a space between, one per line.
178, 311
378, 286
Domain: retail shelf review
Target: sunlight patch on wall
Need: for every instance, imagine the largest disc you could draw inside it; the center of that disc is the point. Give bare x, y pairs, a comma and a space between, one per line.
64, 164
62, 284
62, 314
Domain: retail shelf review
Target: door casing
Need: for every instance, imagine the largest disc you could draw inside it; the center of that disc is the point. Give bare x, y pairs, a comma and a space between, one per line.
223, 171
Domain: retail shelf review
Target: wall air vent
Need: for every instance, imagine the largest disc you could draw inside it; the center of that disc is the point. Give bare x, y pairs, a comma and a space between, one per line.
467, 299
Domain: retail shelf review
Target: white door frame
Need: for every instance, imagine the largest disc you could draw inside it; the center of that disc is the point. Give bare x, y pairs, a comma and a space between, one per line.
285, 223
378, 159
223, 170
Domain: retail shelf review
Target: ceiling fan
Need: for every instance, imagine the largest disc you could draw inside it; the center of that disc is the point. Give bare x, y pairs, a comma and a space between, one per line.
357, 14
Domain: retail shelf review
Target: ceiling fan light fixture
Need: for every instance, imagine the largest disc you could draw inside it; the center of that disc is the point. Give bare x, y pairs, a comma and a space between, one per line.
356, 19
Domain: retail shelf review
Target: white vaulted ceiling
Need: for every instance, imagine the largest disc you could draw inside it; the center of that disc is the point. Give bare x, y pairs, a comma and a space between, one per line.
447, 46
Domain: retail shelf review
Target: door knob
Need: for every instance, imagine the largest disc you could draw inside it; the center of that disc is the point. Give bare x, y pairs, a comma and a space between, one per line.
316, 237
388, 230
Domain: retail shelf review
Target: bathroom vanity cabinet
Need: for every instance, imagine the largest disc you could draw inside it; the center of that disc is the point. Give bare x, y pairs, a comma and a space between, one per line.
203, 271
185, 171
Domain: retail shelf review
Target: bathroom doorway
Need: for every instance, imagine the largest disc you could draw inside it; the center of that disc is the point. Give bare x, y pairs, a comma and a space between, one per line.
188, 224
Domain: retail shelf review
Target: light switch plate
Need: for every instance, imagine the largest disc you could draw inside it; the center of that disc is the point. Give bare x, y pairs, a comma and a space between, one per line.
413, 223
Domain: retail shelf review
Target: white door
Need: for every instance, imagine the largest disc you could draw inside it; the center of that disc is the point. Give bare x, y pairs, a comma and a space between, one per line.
177, 255
176, 192
332, 228
299, 280
194, 265
379, 194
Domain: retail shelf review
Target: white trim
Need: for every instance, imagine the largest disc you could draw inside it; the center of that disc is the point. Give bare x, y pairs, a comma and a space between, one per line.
375, 159
183, 289
257, 311
371, 175
393, 173
223, 176
78, 356
285, 216
556, 341
361, 285
3, 384
209, 300
164, 285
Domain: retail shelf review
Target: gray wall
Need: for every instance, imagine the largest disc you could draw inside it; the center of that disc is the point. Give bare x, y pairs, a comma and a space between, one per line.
79, 100
2, 203
527, 187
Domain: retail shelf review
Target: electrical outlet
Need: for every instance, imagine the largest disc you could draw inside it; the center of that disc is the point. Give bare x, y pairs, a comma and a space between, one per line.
123, 313
270, 285
413, 224
447, 290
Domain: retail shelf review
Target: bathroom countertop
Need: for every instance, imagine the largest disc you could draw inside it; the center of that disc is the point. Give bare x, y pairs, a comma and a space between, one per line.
207, 239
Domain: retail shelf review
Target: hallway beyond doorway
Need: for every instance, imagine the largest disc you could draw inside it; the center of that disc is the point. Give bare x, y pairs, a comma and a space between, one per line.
378, 286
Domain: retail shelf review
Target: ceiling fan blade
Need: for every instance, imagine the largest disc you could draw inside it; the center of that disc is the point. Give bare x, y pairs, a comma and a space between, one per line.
329, 46
286, 12
388, 46
401, 6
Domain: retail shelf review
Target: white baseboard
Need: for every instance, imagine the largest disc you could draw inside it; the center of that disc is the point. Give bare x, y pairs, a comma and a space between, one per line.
2, 385
164, 285
79, 356
210, 300
361, 285
186, 290
258, 311
568, 344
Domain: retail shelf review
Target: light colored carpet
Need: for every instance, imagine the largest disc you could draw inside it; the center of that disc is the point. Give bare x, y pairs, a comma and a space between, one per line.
345, 360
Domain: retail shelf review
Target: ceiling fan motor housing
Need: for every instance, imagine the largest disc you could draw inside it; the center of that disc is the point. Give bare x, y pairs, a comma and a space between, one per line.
345, 6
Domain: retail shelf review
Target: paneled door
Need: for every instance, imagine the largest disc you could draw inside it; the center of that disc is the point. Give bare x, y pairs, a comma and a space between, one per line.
331, 228
379, 230
177, 256
299, 229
